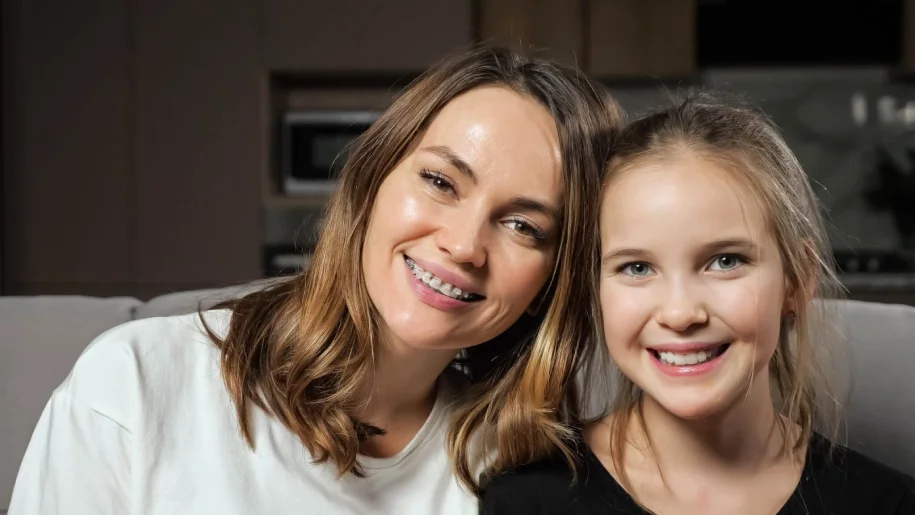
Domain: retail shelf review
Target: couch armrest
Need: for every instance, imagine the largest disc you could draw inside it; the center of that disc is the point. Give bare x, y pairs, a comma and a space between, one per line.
40, 340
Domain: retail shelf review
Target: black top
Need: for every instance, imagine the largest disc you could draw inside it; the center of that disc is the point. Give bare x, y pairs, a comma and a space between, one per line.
845, 482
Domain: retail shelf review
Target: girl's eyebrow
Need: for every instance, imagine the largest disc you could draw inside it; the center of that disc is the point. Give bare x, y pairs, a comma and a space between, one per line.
624, 252
743, 243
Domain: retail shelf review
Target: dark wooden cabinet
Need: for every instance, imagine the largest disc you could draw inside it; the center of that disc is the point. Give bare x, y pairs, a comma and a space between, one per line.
67, 222
642, 38
134, 139
553, 29
609, 39
363, 36
199, 144
137, 132
907, 66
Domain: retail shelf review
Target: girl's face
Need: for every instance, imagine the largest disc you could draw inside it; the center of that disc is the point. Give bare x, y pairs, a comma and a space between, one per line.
463, 233
692, 287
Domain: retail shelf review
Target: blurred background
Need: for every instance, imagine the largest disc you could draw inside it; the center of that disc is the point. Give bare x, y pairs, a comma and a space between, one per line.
159, 146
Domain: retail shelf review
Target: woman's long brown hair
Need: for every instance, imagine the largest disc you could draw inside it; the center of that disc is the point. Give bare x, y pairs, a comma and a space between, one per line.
302, 348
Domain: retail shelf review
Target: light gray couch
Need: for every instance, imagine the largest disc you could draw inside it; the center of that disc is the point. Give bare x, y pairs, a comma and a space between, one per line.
41, 338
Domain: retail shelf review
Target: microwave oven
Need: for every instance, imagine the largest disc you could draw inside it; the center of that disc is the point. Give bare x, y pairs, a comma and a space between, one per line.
314, 145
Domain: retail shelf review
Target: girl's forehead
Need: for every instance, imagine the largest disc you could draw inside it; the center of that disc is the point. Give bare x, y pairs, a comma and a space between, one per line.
676, 198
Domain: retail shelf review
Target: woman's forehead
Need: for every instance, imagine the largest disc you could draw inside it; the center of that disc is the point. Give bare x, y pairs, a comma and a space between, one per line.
502, 136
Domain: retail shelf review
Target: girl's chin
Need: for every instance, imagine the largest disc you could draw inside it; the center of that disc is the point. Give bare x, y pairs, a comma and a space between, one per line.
684, 408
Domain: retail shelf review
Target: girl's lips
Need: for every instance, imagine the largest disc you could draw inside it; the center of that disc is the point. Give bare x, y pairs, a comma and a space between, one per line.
692, 369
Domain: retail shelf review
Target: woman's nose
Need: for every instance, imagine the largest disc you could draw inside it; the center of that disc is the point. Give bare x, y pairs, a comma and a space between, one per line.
461, 236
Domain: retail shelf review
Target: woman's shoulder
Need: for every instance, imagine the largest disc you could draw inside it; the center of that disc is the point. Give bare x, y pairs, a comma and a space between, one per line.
147, 344
144, 362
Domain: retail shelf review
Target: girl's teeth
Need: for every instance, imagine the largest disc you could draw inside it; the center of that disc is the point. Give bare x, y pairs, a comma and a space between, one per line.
446, 289
435, 283
427, 277
690, 358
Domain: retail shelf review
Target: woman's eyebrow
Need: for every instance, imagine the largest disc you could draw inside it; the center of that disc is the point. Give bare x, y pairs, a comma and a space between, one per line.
445, 152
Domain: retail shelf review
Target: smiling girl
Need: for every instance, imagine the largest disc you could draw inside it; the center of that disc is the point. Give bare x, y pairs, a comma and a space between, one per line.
712, 253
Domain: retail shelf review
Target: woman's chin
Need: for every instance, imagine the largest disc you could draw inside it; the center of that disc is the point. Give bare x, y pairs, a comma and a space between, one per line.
425, 337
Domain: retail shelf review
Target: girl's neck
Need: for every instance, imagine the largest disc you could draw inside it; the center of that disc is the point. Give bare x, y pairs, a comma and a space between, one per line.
745, 438
730, 463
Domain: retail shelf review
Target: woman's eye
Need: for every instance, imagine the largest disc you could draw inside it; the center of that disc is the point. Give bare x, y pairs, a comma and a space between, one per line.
637, 269
726, 262
525, 229
437, 180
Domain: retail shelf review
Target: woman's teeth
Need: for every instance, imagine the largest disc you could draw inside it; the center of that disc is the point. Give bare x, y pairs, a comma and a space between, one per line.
437, 284
689, 358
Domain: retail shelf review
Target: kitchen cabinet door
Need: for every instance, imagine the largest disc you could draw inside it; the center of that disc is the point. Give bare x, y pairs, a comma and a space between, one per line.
200, 144
363, 36
907, 66
553, 29
66, 163
642, 38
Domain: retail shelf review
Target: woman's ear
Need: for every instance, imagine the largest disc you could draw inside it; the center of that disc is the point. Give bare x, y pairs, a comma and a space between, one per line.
542, 297
534, 308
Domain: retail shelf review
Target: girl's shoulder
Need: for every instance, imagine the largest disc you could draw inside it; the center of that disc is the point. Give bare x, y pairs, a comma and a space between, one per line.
853, 482
553, 485
828, 458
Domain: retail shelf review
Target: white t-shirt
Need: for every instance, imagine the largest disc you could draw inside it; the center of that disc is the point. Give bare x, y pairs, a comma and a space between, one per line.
144, 425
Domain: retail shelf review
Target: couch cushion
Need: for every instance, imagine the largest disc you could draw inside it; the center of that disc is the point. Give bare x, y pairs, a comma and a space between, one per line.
40, 340
880, 411
181, 303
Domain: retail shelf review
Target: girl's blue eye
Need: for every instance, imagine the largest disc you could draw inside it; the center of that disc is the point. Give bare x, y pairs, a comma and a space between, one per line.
726, 262
637, 269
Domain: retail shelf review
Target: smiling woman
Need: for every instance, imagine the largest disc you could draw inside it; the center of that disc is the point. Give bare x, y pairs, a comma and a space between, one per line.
480, 223
433, 336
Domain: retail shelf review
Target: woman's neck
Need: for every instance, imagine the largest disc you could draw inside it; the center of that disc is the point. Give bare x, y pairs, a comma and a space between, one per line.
399, 394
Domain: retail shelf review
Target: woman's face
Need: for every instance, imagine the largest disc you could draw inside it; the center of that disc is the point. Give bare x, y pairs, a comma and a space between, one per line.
464, 229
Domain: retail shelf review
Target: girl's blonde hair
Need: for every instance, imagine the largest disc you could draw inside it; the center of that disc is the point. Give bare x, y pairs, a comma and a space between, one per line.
745, 141
301, 349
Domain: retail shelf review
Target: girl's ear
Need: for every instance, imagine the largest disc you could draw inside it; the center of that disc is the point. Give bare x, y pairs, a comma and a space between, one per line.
802, 294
